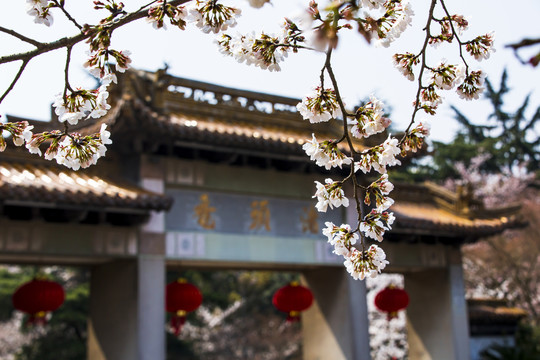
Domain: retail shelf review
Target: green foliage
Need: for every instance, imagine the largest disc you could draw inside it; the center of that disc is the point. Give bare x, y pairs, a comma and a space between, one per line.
527, 347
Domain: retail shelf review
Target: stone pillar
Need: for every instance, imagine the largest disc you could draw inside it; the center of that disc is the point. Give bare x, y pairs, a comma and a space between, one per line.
112, 325
437, 322
127, 312
336, 326
151, 308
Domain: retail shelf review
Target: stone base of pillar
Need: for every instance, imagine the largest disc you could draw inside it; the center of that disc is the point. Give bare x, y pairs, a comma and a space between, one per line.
437, 326
336, 326
127, 315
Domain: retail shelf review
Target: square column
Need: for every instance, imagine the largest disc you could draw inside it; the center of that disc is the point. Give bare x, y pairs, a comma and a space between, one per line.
127, 310
437, 322
336, 326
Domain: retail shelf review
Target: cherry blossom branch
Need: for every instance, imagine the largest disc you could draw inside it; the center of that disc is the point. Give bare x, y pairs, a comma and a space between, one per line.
346, 135
67, 41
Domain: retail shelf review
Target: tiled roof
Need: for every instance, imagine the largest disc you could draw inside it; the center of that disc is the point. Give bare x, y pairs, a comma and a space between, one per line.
493, 317
429, 217
196, 129
220, 118
49, 185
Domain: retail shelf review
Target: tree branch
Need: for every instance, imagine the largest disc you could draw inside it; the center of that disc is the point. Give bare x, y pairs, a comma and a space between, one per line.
21, 37
523, 43
15, 79
70, 41
423, 66
68, 15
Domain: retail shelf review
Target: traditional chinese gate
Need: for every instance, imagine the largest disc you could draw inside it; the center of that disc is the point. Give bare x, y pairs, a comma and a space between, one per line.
241, 186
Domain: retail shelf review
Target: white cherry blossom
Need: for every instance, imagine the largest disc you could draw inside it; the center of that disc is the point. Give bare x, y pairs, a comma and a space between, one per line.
330, 195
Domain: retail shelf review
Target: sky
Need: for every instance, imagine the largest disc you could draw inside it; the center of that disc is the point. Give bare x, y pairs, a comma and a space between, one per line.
361, 69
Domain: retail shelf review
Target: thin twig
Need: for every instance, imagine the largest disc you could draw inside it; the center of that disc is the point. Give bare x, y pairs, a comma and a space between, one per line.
68, 15
15, 79
67, 86
422, 67
455, 34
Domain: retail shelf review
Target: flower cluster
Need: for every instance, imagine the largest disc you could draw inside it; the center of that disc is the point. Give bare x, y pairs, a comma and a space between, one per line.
447, 76
369, 119
379, 157
81, 104
20, 132
264, 51
40, 10
379, 189
359, 264
320, 106
210, 16
397, 17
442, 77
330, 194
448, 24
481, 47
72, 150
376, 223
341, 237
405, 62
177, 15
472, 86
414, 140
369, 263
326, 153
99, 64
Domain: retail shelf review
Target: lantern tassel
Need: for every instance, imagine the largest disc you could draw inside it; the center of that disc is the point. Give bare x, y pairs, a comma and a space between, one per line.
177, 322
293, 316
37, 319
392, 315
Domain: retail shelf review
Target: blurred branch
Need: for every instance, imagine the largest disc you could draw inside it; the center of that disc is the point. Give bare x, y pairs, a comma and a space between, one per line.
525, 43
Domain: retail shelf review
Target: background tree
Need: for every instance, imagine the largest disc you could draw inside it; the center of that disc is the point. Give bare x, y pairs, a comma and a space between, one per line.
508, 137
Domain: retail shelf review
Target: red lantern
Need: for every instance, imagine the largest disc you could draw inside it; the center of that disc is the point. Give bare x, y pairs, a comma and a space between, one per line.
37, 298
292, 299
181, 298
391, 300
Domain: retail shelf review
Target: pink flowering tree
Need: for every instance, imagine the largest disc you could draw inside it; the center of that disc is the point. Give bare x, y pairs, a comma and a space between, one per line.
318, 29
